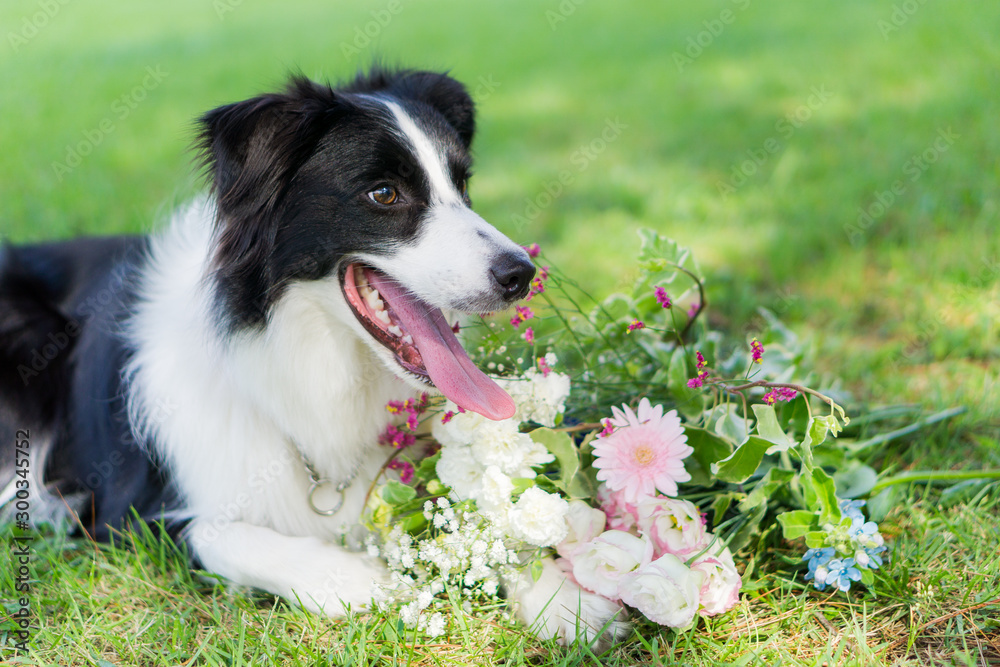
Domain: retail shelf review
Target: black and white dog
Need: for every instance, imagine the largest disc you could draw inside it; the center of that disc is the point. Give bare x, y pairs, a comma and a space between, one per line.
231, 374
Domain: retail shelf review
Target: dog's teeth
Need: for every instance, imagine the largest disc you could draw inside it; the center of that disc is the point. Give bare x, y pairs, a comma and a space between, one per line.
408, 339
373, 299
395, 331
383, 316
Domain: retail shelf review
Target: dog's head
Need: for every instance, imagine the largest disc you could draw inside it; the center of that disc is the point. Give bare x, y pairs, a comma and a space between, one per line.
366, 185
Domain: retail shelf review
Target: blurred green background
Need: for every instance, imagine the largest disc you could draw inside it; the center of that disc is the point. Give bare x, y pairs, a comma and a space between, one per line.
758, 132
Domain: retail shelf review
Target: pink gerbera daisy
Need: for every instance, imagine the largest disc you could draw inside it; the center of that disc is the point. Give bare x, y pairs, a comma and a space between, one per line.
645, 454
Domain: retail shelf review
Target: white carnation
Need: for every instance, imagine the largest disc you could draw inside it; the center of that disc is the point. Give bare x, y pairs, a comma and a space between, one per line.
539, 398
458, 469
460, 430
495, 490
501, 444
539, 518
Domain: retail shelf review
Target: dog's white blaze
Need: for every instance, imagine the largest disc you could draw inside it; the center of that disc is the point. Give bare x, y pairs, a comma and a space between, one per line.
448, 266
430, 158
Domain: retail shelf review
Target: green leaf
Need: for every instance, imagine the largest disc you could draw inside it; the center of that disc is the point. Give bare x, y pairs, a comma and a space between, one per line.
742, 537
742, 463
688, 400
855, 480
708, 447
796, 523
521, 484
769, 429
397, 493
561, 446
774, 479
732, 425
699, 476
880, 504
826, 497
547, 484
415, 523
816, 431
721, 505
816, 539
615, 309
427, 469
536, 569
867, 577
657, 252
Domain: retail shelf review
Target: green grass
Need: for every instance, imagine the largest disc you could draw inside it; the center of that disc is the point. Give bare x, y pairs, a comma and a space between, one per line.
907, 313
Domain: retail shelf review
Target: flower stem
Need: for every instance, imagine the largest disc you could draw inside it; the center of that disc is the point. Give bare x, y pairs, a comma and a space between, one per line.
935, 476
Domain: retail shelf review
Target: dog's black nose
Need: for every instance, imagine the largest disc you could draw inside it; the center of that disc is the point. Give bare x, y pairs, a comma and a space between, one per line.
512, 273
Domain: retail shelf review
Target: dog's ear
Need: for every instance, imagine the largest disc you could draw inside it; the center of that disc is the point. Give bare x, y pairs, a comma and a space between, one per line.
449, 97
253, 148
252, 151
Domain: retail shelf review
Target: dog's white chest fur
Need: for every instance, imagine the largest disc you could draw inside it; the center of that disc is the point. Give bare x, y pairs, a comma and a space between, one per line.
235, 418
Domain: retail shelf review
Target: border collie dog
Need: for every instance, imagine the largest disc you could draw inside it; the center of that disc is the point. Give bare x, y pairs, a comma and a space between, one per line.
230, 374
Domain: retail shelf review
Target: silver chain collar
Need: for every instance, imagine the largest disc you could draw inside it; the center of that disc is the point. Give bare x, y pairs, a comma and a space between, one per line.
317, 482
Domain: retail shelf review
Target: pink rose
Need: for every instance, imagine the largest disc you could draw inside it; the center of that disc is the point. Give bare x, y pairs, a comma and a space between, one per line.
621, 514
674, 526
720, 591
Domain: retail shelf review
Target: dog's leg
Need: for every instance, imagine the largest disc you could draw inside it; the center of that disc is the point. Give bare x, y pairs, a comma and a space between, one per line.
555, 606
322, 577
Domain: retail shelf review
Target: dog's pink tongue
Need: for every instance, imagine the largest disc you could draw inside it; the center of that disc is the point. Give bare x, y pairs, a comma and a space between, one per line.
445, 359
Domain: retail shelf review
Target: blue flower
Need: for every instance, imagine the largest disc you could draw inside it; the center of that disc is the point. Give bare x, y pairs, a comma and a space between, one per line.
866, 534
852, 509
875, 557
841, 573
818, 558
849, 550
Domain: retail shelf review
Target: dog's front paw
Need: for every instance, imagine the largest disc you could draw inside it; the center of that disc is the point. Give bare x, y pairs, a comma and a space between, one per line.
334, 586
557, 607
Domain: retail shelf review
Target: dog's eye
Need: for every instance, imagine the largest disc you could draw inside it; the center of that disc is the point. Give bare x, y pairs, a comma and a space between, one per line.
385, 195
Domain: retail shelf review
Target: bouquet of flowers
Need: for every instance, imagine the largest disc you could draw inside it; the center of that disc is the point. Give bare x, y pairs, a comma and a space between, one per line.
645, 452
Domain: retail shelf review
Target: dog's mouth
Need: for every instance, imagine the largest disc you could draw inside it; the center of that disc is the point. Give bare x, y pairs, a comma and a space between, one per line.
422, 341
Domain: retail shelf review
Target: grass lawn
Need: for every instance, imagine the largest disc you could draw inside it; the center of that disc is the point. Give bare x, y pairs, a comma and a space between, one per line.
836, 164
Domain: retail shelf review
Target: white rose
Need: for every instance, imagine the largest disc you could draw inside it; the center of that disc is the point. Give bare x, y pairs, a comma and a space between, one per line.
584, 523
675, 526
459, 470
666, 591
720, 590
601, 563
539, 518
